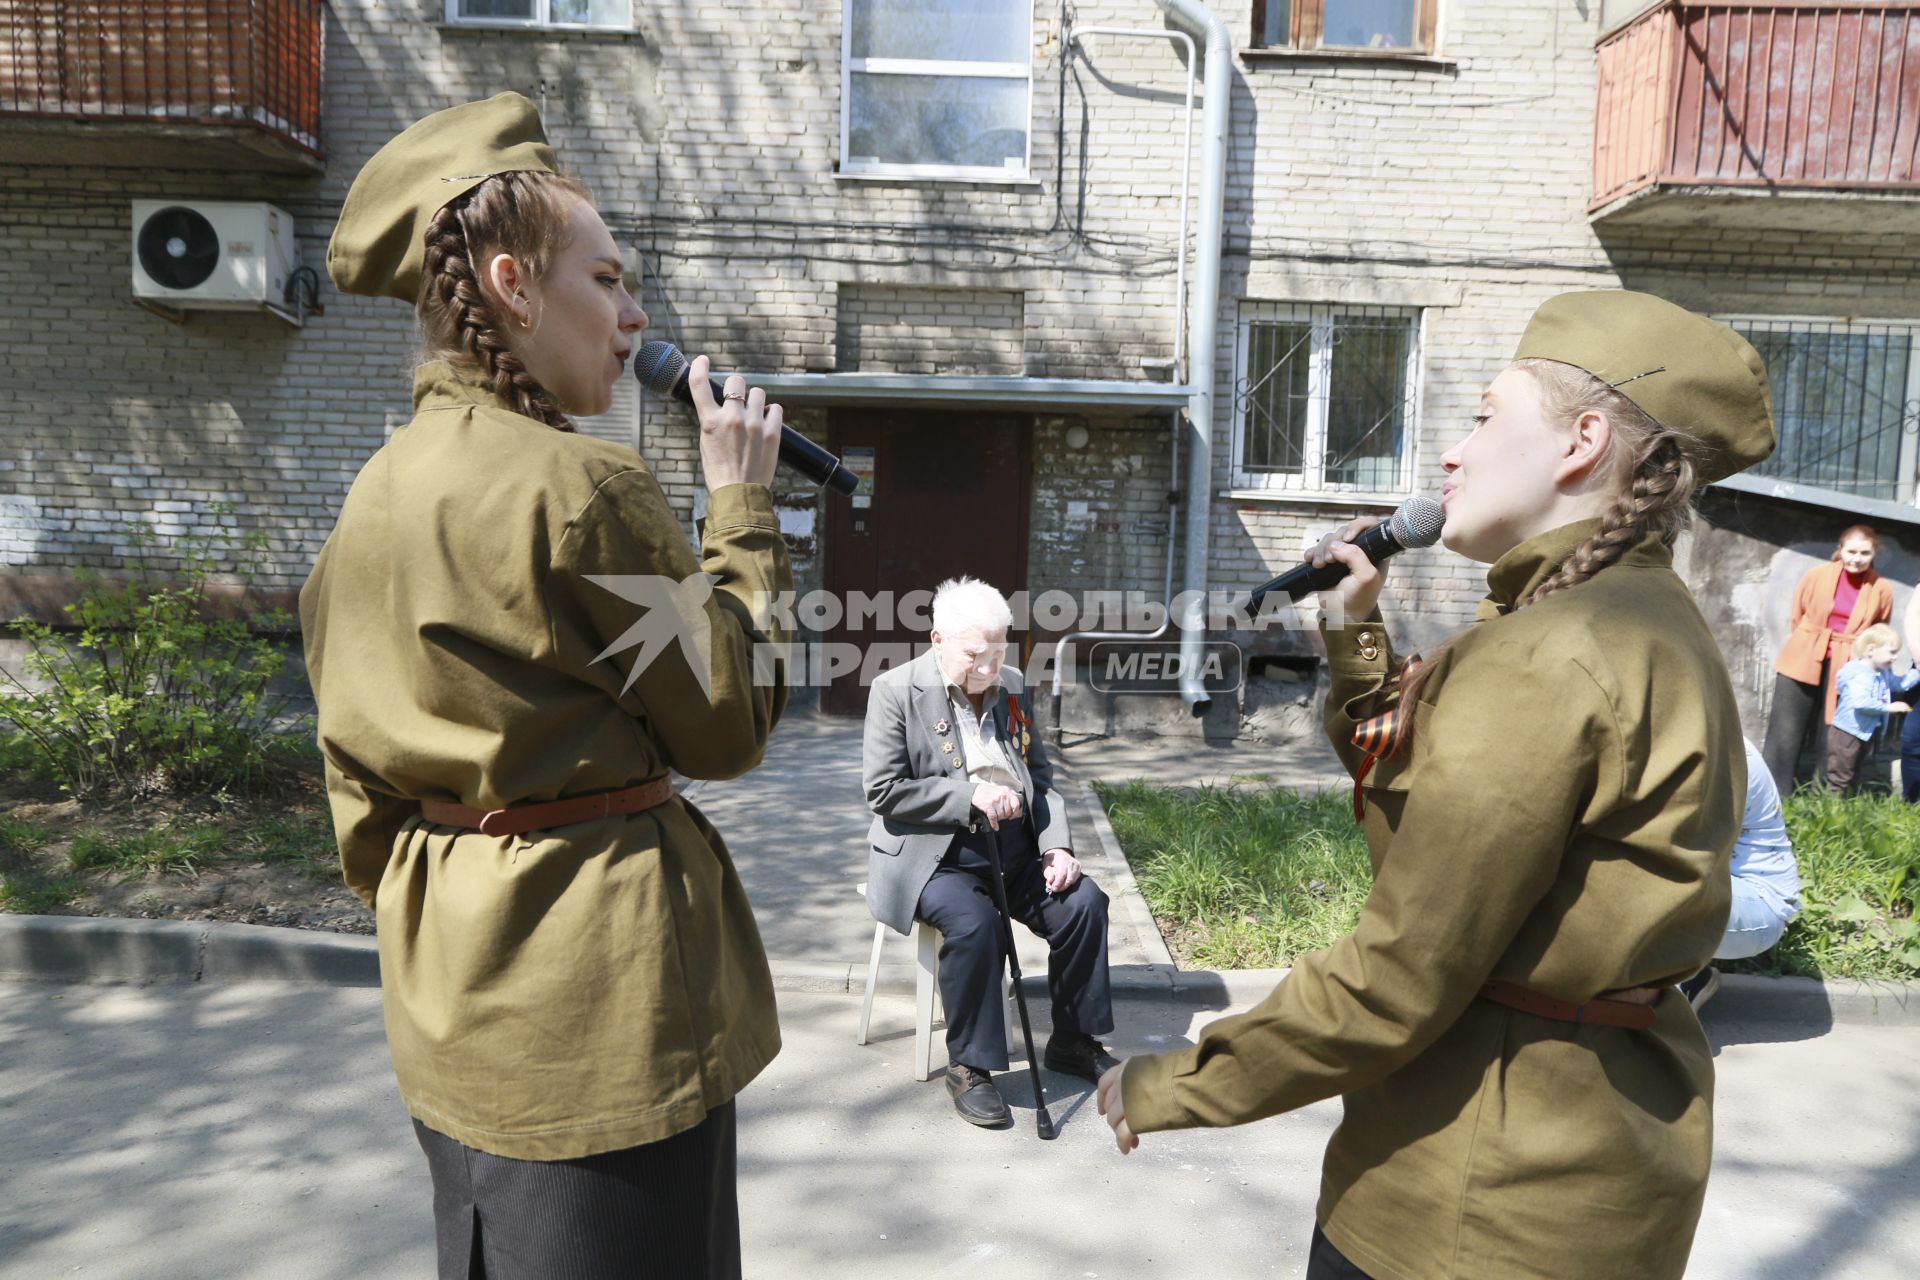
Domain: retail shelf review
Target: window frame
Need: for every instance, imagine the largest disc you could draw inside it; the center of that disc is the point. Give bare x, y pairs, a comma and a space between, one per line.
1908, 476
929, 67
1307, 20
1312, 482
541, 21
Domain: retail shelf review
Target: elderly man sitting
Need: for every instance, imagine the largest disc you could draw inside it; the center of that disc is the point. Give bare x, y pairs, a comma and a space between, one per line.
949, 752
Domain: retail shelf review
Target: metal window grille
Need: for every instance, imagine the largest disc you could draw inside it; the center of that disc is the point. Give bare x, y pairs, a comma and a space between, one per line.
1846, 403
1324, 398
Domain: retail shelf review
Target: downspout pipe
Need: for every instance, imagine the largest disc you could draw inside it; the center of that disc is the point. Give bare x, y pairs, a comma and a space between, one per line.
1203, 319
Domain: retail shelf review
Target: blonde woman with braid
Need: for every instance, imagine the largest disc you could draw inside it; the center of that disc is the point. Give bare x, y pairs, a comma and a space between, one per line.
1550, 799
574, 987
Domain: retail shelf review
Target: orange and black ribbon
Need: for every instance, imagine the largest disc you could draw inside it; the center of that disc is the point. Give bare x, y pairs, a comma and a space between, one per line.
1381, 737
1019, 725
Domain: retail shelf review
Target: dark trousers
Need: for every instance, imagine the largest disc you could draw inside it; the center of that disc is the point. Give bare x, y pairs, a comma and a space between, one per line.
1799, 712
1910, 757
1844, 754
958, 902
665, 1210
1324, 1262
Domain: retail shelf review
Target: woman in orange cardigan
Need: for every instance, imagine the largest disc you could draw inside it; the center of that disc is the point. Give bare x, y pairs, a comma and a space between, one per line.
1833, 604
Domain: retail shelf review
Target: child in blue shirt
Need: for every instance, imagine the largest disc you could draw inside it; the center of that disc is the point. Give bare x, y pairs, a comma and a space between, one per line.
1865, 695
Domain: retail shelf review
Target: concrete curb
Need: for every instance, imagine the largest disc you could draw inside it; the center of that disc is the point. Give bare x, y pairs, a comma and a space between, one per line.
107, 949
1123, 887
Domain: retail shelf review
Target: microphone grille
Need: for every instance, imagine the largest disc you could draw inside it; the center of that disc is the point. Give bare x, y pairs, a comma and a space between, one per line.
1418, 522
659, 366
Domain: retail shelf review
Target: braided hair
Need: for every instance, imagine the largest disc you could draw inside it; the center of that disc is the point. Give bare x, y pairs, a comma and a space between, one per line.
523, 214
1652, 472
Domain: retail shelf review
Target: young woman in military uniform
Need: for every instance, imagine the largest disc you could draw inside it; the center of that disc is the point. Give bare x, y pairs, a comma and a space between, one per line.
1550, 800
574, 987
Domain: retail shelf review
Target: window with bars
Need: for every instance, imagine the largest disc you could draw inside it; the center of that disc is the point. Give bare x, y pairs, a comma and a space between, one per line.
605, 14
1370, 26
1324, 398
936, 88
1846, 403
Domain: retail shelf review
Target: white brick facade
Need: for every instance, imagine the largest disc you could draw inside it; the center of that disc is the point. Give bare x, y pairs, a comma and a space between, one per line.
1457, 185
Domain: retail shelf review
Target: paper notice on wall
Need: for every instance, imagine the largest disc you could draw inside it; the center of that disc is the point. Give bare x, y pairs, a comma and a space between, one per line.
859, 460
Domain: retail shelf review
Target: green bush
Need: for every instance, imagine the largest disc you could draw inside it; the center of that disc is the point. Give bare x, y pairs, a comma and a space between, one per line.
150, 692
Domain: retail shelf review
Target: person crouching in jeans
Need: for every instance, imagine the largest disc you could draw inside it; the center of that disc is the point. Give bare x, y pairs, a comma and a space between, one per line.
1866, 688
951, 761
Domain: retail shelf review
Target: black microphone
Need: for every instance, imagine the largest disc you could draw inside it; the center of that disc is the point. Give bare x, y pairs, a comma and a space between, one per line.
1416, 524
663, 370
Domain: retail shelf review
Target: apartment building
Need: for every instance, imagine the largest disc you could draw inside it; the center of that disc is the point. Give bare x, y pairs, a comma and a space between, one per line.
1093, 310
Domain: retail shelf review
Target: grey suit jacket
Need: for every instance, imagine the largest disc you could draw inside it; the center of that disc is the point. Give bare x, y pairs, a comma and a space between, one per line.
919, 800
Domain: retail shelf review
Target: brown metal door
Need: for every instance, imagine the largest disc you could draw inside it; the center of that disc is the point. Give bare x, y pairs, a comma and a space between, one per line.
949, 497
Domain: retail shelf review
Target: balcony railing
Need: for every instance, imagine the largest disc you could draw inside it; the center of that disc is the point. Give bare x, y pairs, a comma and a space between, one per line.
253, 64
1764, 93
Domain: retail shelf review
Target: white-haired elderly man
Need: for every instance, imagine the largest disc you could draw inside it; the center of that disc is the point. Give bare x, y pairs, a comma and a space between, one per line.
949, 752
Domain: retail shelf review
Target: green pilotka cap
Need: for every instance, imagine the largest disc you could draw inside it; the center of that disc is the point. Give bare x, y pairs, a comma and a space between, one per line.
379, 245
1687, 372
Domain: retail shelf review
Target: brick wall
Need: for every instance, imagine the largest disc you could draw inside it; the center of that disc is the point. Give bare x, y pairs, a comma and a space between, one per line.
710, 136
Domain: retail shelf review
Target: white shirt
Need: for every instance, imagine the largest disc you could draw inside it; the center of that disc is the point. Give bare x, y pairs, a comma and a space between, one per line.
980, 743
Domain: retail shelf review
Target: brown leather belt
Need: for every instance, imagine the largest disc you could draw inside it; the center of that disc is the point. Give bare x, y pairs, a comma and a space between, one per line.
1630, 1007
554, 813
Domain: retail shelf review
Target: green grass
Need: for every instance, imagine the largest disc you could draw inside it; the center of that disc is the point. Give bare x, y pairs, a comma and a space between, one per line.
304, 838
170, 850
1252, 877
1860, 882
22, 888
1243, 877
19, 837
33, 894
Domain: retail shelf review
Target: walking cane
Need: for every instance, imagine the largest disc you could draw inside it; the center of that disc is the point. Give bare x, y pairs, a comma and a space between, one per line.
1043, 1122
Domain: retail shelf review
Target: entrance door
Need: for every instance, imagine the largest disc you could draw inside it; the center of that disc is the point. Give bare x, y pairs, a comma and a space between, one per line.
949, 497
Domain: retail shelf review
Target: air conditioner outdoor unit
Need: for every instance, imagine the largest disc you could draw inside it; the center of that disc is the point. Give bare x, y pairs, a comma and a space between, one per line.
213, 255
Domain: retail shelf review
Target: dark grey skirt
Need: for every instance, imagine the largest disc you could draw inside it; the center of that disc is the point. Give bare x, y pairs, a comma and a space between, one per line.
665, 1210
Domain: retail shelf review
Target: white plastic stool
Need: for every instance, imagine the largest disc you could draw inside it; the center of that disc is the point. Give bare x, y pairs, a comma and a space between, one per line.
926, 968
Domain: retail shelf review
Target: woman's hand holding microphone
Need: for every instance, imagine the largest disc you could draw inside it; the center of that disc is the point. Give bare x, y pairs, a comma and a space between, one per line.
1359, 592
739, 435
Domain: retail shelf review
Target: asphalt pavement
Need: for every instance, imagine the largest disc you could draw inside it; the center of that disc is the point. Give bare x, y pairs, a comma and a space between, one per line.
192, 1122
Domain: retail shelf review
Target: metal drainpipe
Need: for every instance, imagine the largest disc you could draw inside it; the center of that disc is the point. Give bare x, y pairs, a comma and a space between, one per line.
1179, 355
1204, 316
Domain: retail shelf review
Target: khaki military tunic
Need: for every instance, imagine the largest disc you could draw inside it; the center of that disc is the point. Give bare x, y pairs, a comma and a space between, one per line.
1562, 819
589, 987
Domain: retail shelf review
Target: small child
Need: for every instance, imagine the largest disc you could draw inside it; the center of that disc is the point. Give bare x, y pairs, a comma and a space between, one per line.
1865, 687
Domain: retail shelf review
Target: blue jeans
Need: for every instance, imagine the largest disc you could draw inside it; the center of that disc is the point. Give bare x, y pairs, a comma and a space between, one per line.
1757, 921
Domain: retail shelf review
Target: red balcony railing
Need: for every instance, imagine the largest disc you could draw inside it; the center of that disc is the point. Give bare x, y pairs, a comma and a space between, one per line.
244, 63
1768, 93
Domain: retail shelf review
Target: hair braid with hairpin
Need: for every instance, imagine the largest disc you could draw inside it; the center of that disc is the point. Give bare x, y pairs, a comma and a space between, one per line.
519, 213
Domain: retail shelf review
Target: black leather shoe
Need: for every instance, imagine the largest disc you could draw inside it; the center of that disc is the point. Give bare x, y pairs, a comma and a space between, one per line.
1073, 1053
976, 1097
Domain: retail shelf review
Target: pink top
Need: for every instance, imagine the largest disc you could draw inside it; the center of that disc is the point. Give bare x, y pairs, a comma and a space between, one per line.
1845, 592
